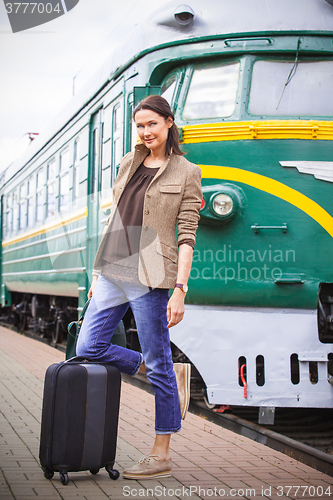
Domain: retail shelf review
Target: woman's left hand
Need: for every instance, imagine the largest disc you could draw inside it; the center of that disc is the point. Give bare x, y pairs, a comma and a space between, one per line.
175, 308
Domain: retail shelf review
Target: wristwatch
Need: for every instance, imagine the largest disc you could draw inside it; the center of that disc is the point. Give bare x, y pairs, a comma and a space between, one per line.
184, 288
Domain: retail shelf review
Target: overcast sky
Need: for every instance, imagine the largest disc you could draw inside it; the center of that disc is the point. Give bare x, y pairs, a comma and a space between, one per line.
38, 65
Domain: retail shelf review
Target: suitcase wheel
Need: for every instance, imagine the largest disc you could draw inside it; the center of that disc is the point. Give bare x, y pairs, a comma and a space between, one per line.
64, 478
94, 471
48, 474
114, 474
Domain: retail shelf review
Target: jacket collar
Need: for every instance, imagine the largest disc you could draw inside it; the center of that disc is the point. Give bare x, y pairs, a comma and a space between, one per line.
140, 154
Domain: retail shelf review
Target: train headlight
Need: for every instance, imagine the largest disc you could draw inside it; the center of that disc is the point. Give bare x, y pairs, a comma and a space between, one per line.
222, 204
184, 15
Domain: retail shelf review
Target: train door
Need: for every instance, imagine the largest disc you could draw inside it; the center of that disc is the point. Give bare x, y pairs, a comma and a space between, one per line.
117, 136
94, 182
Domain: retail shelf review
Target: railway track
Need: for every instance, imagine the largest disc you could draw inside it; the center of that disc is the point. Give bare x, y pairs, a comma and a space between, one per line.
304, 434
274, 437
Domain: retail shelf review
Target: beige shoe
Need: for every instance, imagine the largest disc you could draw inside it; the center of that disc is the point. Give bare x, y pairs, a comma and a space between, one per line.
149, 467
183, 376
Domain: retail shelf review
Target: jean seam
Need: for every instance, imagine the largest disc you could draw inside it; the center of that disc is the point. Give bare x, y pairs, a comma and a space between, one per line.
168, 377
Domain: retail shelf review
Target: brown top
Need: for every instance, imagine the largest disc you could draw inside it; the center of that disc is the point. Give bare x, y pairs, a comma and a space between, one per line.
124, 236
130, 205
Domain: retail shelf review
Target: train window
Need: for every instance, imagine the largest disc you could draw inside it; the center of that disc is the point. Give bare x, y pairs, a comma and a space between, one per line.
117, 142
305, 91
95, 141
8, 215
51, 170
94, 163
212, 92
76, 182
15, 212
100, 178
64, 192
260, 370
168, 88
51, 185
30, 193
134, 132
64, 161
40, 196
95, 153
23, 207
64, 180
294, 369
40, 179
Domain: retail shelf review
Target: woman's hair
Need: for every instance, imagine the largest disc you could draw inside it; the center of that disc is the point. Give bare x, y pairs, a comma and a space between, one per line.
161, 107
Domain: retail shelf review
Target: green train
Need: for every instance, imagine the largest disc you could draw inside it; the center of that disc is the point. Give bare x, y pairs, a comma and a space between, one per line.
251, 84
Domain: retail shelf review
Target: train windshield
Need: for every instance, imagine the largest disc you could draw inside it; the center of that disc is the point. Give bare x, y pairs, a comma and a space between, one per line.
212, 92
168, 88
285, 88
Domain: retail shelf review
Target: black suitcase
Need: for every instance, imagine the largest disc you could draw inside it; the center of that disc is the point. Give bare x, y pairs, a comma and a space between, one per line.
79, 418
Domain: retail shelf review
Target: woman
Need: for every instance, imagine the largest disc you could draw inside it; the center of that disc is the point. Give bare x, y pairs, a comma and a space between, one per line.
136, 264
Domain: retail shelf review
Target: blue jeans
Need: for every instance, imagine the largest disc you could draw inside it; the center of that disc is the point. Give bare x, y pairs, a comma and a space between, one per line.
107, 307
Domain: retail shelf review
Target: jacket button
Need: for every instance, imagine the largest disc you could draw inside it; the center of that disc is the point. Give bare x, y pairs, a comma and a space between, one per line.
146, 212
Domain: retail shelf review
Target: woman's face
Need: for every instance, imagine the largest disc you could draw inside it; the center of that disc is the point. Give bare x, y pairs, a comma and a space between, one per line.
153, 129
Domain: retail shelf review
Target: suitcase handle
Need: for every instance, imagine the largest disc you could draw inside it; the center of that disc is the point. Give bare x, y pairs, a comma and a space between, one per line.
78, 359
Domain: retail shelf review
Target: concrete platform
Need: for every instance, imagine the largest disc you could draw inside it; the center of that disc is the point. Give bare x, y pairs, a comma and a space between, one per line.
208, 461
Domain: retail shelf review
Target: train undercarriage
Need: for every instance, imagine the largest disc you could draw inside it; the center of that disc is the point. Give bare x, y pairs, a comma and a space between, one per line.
45, 316
48, 316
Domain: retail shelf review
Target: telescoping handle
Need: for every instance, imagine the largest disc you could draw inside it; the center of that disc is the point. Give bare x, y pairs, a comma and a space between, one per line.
78, 359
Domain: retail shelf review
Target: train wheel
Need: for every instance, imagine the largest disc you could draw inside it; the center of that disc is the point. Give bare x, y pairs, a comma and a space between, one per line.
57, 334
22, 324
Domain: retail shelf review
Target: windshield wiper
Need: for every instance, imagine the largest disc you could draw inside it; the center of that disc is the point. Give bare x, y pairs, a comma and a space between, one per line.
292, 72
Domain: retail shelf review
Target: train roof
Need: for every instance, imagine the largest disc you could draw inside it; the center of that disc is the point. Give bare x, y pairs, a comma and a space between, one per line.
175, 23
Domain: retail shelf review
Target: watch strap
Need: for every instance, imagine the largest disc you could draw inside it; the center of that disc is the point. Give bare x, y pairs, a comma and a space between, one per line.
183, 287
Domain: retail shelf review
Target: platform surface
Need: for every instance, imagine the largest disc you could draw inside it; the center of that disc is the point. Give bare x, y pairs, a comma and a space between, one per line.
208, 461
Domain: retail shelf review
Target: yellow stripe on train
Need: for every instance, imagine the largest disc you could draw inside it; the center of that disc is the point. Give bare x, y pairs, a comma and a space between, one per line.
272, 129
273, 187
78, 215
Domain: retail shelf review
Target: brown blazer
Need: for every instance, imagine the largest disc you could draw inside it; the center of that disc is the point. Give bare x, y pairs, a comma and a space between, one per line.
174, 195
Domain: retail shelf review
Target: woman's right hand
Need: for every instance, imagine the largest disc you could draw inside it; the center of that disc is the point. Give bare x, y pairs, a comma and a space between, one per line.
92, 288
